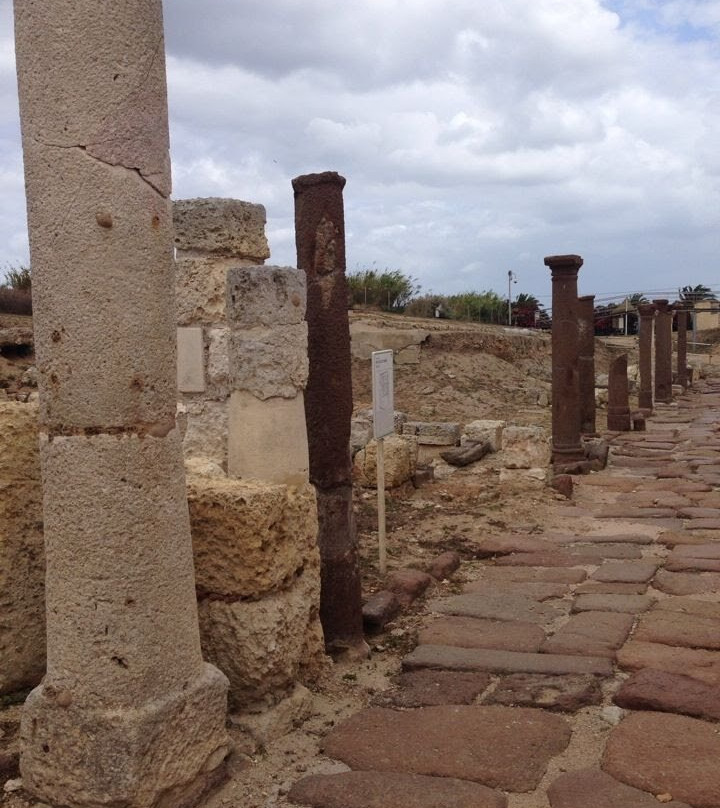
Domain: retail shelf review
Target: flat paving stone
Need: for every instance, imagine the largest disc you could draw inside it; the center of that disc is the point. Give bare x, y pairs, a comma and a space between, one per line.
385, 789
601, 550
675, 538
680, 563
558, 575
628, 512
678, 486
697, 663
652, 499
702, 524
665, 692
603, 538
451, 658
611, 588
676, 628
535, 590
592, 788
698, 513
501, 747
702, 608
489, 546
566, 693
428, 688
709, 550
496, 607
631, 604
597, 634
628, 572
472, 632
667, 754
687, 583
552, 558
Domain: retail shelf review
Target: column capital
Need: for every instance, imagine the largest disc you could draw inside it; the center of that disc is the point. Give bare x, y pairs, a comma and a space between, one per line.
662, 306
587, 299
323, 178
563, 264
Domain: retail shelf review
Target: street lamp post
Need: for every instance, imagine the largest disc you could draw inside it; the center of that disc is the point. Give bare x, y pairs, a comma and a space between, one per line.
512, 278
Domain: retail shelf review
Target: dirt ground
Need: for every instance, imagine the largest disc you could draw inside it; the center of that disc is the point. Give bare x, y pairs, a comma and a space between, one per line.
466, 372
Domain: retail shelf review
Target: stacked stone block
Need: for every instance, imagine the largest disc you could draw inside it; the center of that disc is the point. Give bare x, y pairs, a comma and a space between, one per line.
212, 236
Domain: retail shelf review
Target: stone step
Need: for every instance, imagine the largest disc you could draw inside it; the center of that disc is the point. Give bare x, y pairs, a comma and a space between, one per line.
592, 788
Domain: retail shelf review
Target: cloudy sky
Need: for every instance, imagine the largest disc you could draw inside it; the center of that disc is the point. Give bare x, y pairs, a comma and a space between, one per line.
476, 136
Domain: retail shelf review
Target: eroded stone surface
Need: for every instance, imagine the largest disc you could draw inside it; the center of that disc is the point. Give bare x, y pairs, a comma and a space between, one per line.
678, 629
471, 632
625, 572
591, 634
667, 754
380, 789
427, 688
686, 583
697, 663
497, 606
612, 603
566, 693
500, 747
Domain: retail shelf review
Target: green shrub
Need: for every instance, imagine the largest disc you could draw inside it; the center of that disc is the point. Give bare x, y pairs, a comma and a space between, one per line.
389, 290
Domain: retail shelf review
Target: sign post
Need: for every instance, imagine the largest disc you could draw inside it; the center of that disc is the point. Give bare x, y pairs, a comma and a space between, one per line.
383, 424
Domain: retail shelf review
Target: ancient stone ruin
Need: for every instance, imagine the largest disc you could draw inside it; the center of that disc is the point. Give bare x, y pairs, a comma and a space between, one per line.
663, 352
618, 412
126, 689
586, 363
320, 241
682, 322
645, 393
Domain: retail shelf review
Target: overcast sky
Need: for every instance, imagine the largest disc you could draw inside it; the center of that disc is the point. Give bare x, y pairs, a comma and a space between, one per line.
476, 136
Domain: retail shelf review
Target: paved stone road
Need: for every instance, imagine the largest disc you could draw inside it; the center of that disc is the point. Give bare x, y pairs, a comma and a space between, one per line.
581, 669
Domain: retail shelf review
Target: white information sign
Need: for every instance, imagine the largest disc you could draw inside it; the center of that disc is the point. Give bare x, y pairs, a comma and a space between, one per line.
383, 394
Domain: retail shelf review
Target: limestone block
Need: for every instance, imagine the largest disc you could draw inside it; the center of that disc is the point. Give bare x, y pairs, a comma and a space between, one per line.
266, 296
267, 440
400, 455
366, 338
269, 362
433, 433
601, 396
218, 361
399, 418
203, 425
22, 557
361, 432
263, 646
250, 538
200, 283
408, 356
142, 751
525, 447
484, 430
225, 226
526, 474
601, 380
277, 721
190, 360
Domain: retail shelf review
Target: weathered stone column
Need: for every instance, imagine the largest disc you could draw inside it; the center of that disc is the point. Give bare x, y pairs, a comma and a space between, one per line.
320, 242
128, 713
586, 363
566, 446
663, 352
645, 393
682, 369
618, 412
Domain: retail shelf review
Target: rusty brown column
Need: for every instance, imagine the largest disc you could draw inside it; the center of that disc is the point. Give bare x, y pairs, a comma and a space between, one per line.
566, 446
618, 413
645, 393
682, 369
320, 243
586, 363
663, 352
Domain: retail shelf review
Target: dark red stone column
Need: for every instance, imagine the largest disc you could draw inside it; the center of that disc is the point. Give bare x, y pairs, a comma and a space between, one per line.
682, 319
566, 446
586, 363
647, 318
663, 352
618, 417
320, 243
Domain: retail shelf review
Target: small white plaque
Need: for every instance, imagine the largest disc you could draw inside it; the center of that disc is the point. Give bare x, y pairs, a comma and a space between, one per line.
383, 394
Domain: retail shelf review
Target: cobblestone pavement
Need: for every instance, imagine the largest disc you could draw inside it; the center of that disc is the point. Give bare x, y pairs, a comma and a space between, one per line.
581, 669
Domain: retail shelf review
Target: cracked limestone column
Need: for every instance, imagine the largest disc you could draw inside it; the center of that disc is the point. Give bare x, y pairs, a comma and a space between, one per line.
566, 446
618, 412
320, 242
682, 369
645, 393
663, 352
128, 713
586, 363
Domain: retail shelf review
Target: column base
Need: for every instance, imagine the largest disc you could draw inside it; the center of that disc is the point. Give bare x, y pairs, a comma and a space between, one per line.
619, 422
166, 753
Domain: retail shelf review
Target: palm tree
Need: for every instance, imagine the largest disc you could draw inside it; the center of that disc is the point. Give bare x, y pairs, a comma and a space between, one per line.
694, 293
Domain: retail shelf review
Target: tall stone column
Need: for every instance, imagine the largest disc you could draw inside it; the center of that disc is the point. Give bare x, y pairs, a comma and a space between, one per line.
618, 412
586, 363
682, 369
663, 352
320, 242
566, 446
128, 713
645, 393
